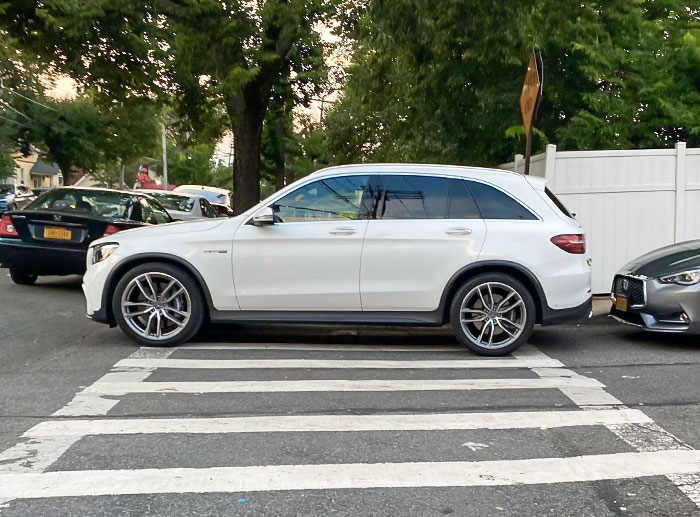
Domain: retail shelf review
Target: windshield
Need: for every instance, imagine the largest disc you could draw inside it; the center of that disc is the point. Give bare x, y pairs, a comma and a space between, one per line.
98, 203
6, 189
212, 197
174, 202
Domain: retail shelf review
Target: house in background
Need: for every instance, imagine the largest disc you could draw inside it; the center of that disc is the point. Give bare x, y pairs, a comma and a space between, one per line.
33, 173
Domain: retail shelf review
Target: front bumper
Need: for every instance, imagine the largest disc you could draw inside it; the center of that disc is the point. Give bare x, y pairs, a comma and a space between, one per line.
665, 308
41, 260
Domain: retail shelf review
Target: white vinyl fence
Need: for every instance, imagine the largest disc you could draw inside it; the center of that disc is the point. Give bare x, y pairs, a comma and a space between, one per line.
629, 202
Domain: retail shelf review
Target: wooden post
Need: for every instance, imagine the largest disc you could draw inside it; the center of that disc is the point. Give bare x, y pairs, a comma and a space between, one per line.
528, 151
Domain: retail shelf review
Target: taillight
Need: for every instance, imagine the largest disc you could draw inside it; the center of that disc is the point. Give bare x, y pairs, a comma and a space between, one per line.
570, 242
111, 229
7, 227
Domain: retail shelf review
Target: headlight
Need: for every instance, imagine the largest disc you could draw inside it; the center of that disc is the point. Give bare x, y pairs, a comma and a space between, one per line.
101, 251
685, 278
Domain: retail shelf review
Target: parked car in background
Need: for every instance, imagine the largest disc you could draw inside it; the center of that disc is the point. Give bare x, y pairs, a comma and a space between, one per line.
14, 197
660, 291
491, 252
220, 196
183, 207
223, 210
52, 234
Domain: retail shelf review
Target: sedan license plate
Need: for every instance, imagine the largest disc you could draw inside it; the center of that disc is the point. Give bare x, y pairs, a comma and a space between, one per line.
57, 233
621, 303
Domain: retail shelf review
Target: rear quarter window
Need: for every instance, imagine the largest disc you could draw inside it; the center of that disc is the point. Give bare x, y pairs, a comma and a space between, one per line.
495, 204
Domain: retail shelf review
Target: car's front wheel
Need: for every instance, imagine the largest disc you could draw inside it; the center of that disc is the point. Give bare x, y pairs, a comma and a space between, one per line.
493, 314
158, 304
21, 277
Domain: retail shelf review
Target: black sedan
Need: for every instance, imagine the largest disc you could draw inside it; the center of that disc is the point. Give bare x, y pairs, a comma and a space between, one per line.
660, 291
52, 234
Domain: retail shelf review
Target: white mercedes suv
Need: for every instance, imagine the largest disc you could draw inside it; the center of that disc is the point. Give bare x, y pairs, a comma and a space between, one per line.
491, 252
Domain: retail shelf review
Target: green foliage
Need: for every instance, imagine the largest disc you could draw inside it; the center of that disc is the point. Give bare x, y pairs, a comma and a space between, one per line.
190, 165
433, 84
219, 59
7, 164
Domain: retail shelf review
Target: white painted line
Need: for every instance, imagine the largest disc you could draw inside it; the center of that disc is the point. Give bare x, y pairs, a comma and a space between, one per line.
121, 388
348, 476
336, 423
37, 453
323, 348
645, 437
226, 364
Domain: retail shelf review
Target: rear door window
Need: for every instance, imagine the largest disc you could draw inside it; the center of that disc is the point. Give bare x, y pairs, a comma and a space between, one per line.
412, 197
495, 204
461, 204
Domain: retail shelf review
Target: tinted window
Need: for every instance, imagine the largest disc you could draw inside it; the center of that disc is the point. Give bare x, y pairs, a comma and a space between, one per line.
207, 209
100, 203
328, 199
461, 204
412, 197
174, 202
494, 204
155, 209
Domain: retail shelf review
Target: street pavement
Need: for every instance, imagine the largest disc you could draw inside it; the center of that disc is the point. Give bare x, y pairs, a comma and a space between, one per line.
591, 418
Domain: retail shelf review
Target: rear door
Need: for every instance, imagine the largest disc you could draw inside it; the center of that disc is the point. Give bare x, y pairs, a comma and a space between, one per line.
425, 229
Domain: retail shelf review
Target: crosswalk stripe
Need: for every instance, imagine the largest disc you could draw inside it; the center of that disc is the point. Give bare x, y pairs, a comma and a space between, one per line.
334, 423
323, 347
120, 388
348, 476
225, 364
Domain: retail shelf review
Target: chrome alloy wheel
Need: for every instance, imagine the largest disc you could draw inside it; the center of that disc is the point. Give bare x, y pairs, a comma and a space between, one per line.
493, 315
156, 306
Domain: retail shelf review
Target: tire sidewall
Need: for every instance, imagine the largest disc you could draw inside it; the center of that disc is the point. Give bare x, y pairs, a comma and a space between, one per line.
196, 298
503, 278
20, 277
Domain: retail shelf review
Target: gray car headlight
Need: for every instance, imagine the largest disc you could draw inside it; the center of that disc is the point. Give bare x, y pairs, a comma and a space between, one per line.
102, 251
691, 277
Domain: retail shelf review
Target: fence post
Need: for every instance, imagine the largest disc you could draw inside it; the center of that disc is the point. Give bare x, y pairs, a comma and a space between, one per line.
516, 162
679, 229
550, 163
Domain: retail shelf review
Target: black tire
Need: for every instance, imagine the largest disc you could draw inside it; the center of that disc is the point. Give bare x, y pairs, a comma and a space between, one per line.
197, 303
527, 319
21, 277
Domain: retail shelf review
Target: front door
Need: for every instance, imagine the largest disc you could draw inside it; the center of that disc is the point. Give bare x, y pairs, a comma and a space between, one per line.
426, 228
310, 258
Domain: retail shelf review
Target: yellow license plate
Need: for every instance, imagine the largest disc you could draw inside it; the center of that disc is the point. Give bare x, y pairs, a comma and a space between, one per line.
621, 303
57, 233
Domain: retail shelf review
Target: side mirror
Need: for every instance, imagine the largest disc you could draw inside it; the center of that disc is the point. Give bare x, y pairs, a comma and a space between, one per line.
263, 217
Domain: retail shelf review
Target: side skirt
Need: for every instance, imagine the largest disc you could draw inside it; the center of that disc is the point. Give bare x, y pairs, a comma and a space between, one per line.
430, 318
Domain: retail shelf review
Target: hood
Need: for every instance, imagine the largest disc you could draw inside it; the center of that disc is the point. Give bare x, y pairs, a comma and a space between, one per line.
669, 259
158, 230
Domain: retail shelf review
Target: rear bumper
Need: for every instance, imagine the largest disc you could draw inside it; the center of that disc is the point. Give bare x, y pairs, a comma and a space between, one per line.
41, 260
580, 312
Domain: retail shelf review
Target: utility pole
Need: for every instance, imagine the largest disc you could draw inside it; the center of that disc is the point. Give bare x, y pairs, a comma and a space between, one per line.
165, 158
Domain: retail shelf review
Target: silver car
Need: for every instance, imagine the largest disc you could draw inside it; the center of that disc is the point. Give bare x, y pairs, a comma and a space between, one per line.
660, 291
14, 197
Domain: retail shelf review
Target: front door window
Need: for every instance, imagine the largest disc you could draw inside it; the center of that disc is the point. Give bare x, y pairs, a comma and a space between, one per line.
328, 199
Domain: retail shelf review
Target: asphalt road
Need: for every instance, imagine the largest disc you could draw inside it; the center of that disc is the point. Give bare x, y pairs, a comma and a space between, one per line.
592, 419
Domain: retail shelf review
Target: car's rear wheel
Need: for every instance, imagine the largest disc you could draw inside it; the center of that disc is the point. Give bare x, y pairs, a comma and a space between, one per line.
493, 314
21, 277
158, 304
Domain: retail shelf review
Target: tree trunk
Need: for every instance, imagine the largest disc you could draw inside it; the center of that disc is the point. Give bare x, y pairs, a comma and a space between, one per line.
65, 170
121, 175
246, 163
279, 155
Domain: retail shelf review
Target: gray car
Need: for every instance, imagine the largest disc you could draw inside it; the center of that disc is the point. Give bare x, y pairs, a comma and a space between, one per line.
660, 291
14, 197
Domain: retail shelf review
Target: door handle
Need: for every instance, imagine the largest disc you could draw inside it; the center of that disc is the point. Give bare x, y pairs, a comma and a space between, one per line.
343, 231
458, 231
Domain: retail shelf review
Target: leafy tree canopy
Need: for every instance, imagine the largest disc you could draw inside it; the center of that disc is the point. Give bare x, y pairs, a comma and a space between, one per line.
442, 84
